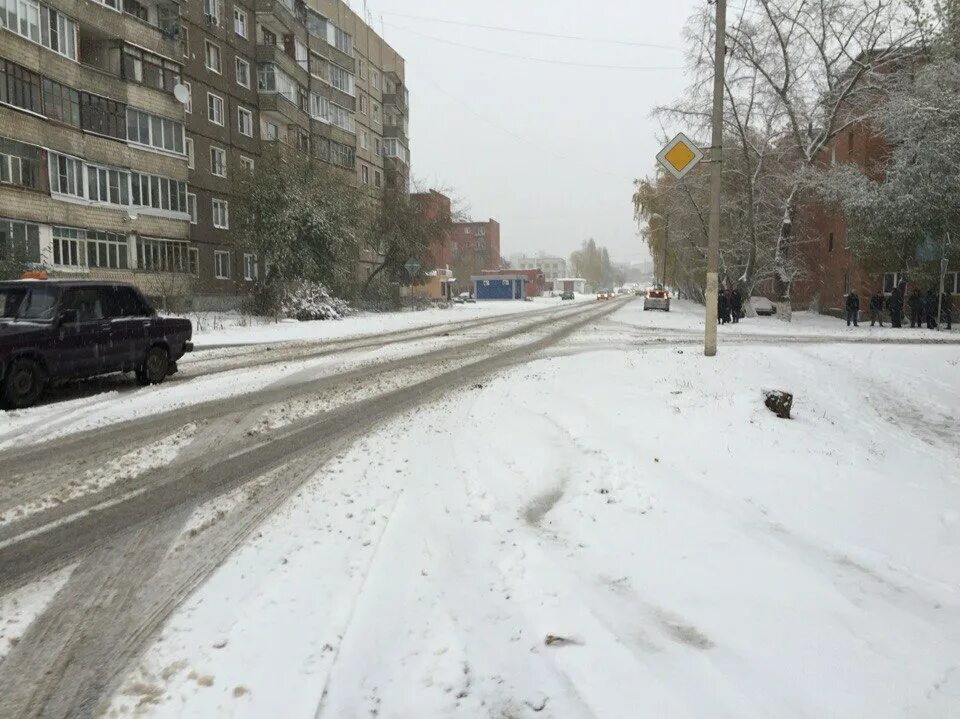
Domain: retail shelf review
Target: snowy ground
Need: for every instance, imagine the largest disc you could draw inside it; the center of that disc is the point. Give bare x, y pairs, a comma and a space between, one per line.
229, 329
609, 532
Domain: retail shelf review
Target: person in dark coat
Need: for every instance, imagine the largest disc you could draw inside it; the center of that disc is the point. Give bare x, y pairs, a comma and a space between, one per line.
723, 308
853, 308
895, 304
876, 308
915, 303
736, 305
946, 310
930, 309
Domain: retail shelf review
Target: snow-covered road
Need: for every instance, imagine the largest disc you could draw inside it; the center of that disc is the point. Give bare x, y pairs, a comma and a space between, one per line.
617, 529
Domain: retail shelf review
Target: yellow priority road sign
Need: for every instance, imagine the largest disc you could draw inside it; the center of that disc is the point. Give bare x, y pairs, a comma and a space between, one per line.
679, 156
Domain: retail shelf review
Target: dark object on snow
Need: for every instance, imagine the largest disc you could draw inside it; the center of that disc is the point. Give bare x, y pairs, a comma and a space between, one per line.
554, 640
915, 303
54, 330
780, 403
853, 309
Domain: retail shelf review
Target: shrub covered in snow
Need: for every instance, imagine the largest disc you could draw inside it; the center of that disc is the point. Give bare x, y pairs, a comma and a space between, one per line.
303, 300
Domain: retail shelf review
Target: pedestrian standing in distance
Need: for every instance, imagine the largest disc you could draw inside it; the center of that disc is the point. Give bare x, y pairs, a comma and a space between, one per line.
876, 308
915, 304
736, 305
895, 303
853, 309
930, 309
722, 307
946, 312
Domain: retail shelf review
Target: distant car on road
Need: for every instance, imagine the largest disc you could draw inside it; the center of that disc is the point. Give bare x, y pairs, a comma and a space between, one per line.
656, 299
762, 306
604, 294
51, 331
568, 295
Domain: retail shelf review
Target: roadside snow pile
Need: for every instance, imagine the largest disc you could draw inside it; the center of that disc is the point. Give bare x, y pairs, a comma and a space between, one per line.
311, 301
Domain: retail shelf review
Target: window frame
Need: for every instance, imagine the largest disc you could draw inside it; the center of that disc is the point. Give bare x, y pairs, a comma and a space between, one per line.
241, 113
225, 206
236, 71
221, 154
237, 10
217, 256
207, 45
213, 100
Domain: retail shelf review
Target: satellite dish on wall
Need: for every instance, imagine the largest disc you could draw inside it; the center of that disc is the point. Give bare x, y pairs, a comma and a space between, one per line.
181, 92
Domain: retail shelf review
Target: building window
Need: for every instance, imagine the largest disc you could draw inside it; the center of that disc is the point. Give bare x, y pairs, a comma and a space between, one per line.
221, 264
218, 162
212, 10
342, 155
362, 69
376, 113
19, 165
20, 240
20, 87
107, 249
61, 102
243, 73
193, 261
107, 186
188, 105
240, 21
221, 214
158, 193
303, 141
154, 131
364, 174
271, 131
184, 40
342, 118
249, 267
364, 140
363, 104
213, 57
66, 175
316, 24
378, 146
245, 121
270, 78
892, 280
190, 158
68, 247
149, 69
377, 179
246, 164
103, 116
374, 78
341, 79
158, 255
340, 39
215, 109
192, 207
41, 24
319, 107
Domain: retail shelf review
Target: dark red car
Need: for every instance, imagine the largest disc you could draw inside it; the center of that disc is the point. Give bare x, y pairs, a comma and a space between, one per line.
55, 330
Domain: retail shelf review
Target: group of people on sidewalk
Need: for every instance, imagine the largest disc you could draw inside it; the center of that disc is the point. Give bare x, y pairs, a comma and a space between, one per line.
729, 306
922, 308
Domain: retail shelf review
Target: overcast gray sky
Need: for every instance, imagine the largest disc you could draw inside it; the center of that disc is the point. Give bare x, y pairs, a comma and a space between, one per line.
549, 150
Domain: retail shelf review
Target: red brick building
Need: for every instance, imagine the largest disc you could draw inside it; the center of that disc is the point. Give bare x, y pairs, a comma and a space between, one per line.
478, 236
436, 206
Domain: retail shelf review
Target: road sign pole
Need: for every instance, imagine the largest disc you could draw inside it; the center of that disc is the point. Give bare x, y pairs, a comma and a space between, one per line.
716, 182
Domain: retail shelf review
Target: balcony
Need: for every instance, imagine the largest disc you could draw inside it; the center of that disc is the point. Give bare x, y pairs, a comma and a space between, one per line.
395, 93
278, 109
283, 16
276, 55
151, 24
396, 132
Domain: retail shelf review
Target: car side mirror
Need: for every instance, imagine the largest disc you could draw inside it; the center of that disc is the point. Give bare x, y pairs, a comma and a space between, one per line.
68, 317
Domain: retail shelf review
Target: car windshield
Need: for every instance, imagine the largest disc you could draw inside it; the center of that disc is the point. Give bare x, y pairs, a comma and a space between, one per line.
29, 302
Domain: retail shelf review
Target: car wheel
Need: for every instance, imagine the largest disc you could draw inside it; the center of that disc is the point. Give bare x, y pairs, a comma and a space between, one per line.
155, 367
23, 384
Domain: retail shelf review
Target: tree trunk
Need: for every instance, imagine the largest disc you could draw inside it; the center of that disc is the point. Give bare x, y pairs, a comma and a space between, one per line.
782, 276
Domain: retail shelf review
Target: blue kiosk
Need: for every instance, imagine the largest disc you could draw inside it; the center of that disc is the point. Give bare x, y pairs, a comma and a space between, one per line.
504, 286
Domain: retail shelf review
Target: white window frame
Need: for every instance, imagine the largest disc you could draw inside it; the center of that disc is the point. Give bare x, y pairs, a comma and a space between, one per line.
247, 163
241, 17
241, 113
215, 6
217, 256
211, 107
221, 161
188, 105
236, 70
364, 174
192, 207
191, 158
250, 269
206, 57
225, 207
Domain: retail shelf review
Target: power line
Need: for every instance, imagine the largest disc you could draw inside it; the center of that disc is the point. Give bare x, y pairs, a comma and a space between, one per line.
536, 33
550, 61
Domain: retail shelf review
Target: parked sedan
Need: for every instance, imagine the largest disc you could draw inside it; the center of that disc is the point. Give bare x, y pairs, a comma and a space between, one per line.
51, 331
763, 306
568, 295
657, 299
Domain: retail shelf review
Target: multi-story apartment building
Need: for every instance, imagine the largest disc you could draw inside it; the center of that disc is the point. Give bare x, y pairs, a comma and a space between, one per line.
553, 268
124, 125
481, 238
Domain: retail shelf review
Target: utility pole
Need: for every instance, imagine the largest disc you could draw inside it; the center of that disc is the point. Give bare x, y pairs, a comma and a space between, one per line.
716, 180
